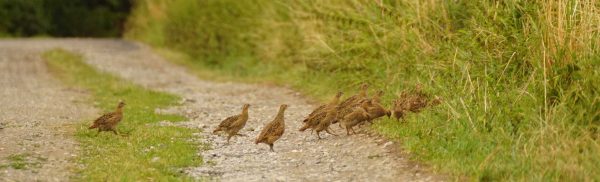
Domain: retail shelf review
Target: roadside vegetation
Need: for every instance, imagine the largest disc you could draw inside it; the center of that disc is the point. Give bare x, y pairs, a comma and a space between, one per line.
145, 150
519, 79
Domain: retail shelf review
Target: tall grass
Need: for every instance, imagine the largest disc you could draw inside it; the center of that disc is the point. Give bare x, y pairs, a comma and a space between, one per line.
519, 79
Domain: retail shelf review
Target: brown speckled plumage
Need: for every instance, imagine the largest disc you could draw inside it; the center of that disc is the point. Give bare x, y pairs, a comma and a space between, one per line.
322, 108
376, 110
358, 115
109, 121
274, 130
323, 125
412, 101
348, 105
233, 124
353, 100
312, 121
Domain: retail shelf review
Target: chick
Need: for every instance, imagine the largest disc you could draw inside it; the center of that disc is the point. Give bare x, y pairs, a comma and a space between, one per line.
109, 121
323, 125
321, 108
350, 103
401, 105
312, 121
376, 110
358, 115
233, 124
274, 130
353, 100
412, 101
377, 97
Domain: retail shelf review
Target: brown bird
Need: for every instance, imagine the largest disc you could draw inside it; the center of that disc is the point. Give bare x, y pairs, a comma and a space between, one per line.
312, 121
358, 115
353, 100
323, 125
109, 121
274, 130
376, 110
233, 124
377, 97
401, 105
321, 108
412, 101
350, 103
398, 109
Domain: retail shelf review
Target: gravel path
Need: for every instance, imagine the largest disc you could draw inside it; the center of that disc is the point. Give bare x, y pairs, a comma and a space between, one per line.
36, 117
298, 157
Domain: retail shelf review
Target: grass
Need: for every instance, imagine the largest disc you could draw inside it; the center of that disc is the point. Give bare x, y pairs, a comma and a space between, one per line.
519, 79
23, 161
147, 151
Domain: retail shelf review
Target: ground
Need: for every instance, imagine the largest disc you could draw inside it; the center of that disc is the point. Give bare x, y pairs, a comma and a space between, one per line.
34, 107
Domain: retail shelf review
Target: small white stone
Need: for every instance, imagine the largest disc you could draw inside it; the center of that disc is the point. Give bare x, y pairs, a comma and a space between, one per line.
387, 144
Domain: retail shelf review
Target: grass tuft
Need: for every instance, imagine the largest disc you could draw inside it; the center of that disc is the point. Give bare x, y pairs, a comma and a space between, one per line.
147, 151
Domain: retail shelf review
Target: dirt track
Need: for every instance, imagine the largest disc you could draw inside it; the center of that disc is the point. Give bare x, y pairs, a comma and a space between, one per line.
298, 157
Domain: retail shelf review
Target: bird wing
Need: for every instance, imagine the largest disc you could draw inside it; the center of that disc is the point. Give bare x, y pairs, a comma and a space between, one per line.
349, 101
275, 128
317, 110
317, 118
104, 119
266, 131
228, 121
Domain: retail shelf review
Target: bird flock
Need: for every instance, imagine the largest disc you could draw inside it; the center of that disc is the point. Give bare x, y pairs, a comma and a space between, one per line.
348, 113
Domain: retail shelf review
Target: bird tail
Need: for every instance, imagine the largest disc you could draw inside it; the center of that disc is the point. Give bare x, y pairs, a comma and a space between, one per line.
306, 126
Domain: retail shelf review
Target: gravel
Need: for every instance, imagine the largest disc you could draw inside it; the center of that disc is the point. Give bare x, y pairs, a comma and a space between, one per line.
36, 117
298, 156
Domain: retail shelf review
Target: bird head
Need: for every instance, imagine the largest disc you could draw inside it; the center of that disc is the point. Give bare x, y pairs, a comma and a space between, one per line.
364, 86
283, 106
380, 93
121, 104
339, 94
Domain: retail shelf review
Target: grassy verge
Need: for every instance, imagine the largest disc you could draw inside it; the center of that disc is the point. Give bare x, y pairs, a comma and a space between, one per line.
148, 151
519, 79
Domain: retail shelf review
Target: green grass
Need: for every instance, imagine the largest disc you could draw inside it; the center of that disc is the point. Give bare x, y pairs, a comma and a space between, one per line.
147, 151
23, 161
520, 79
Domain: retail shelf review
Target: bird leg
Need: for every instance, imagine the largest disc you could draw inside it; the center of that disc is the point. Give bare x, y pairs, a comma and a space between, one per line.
114, 131
318, 135
330, 132
229, 137
353, 130
347, 130
271, 146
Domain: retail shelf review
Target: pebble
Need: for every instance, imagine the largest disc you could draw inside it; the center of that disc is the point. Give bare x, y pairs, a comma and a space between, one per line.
387, 144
